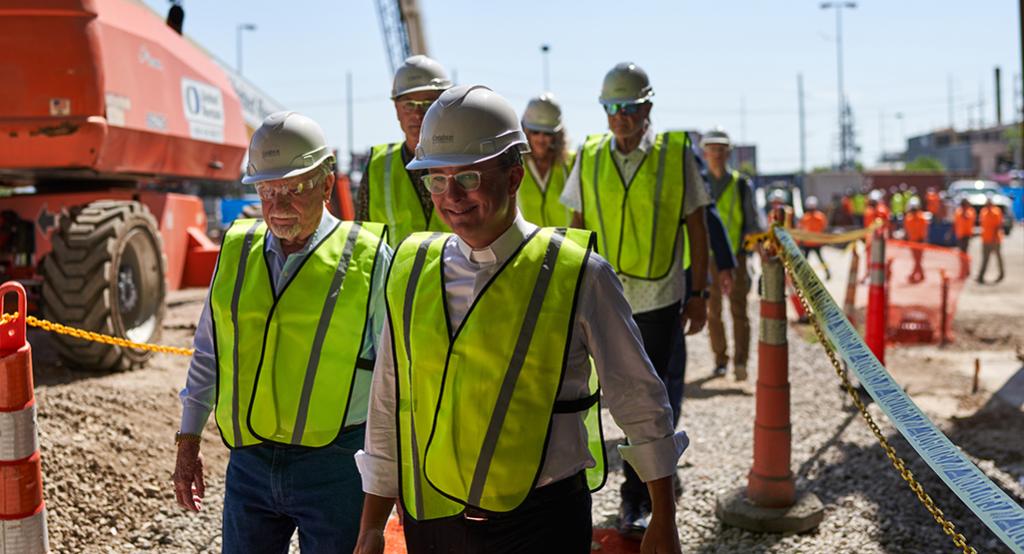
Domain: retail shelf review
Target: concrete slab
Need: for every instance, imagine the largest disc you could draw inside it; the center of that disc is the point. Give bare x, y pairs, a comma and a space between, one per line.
733, 508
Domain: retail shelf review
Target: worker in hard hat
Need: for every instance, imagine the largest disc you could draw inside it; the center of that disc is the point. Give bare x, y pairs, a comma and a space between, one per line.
547, 163
991, 219
915, 229
778, 207
734, 199
814, 221
480, 390
388, 191
876, 210
650, 235
963, 224
283, 350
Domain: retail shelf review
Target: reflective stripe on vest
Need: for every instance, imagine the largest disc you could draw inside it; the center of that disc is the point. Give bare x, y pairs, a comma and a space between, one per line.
279, 378
731, 210
543, 207
638, 223
475, 407
393, 198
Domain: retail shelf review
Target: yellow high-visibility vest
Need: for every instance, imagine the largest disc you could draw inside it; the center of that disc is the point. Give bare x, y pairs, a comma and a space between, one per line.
731, 210
475, 406
392, 196
286, 361
637, 222
542, 206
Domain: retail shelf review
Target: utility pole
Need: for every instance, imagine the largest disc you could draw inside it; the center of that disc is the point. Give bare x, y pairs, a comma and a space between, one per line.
349, 122
803, 131
999, 97
1020, 124
845, 161
544, 50
238, 43
949, 99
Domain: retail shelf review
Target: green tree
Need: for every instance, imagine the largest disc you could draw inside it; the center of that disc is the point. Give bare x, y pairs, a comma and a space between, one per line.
924, 163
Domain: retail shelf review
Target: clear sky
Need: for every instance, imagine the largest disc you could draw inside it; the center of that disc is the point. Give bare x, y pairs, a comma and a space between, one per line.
732, 63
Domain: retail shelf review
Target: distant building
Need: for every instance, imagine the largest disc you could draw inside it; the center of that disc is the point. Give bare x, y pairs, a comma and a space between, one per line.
740, 156
978, 152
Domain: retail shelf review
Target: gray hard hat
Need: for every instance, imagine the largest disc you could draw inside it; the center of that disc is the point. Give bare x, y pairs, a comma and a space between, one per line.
626, 83
467, 124
811, 202
777, 195
715, 136
286, 145
544, 114
417, 74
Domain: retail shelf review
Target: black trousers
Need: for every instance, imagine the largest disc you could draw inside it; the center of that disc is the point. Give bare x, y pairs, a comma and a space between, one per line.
554, 518
666, 347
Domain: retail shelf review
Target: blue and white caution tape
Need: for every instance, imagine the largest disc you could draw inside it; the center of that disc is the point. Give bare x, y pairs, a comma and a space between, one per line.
993, 506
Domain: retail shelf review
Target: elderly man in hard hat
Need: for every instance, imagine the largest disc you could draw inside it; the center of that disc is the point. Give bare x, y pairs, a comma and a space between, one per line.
643, 194
283, 353
477, 419
389, 192
734, 198
547, 163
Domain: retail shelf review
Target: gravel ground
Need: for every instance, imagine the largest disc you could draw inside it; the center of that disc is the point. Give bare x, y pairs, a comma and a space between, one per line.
108, 454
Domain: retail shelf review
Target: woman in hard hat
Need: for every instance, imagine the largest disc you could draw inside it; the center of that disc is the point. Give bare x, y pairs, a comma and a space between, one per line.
547, 164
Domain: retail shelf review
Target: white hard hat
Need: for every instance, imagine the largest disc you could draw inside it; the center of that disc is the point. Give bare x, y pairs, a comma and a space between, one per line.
715, 136
287, 144
544, 114
811, 202
876, 195
914, 203
467, 124
626, 83
777, 195
417, 74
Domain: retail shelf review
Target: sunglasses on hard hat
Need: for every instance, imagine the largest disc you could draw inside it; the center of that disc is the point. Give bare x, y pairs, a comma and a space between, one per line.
411, 106
630, 108
469, 180
268, 190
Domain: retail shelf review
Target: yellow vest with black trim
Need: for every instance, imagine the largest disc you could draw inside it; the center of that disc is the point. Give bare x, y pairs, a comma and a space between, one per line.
730, 208
542, 206
637, 222
392, 196
286, 361
475, 406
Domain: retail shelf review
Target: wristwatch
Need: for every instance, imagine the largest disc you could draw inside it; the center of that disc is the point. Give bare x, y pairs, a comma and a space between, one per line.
193, 437
703, 294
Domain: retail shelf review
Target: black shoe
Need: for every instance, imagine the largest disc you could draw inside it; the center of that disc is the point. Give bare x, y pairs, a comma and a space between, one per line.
719, 371
633, 520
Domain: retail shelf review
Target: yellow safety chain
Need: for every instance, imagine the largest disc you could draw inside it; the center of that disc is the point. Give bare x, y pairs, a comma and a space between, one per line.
947, 526
95, 337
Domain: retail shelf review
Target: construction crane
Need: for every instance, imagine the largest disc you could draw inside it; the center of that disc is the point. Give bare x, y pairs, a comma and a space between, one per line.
402, 27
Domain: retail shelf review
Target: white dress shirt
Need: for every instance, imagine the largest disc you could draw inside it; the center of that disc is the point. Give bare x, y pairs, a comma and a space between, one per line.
644, 295
603, 329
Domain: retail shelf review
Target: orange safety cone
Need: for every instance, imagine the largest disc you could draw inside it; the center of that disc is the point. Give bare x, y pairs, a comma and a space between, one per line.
22, 513
874, 325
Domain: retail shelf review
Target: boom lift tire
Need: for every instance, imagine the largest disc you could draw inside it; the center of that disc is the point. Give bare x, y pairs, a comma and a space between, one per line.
106, 274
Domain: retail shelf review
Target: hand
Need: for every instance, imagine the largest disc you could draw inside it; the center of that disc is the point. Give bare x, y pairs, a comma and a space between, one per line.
696, 314
662, 536
725, 281
370, 542
189, 486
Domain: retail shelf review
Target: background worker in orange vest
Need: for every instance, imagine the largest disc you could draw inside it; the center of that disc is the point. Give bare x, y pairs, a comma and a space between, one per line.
876, 210
991, 238
814, 221
915, 225
963, 224
934, 203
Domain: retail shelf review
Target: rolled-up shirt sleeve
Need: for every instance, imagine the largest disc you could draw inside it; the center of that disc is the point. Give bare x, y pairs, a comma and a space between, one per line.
378, 460
631, 389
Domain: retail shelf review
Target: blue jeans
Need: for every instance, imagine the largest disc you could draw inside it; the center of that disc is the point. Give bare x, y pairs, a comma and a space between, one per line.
271, 490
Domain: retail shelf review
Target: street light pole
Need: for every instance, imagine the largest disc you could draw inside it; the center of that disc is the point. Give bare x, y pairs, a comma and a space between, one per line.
544, 49
238, 46
844, 160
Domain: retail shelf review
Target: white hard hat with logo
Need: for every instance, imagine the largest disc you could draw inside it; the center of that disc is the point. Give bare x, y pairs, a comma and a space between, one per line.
467, 124
544, 114
417, 74
286, 145
715, 136
626, 83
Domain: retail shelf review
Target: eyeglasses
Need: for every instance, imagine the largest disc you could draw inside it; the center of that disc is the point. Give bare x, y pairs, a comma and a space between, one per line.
269, 191
632, 108
412, 106
437, 183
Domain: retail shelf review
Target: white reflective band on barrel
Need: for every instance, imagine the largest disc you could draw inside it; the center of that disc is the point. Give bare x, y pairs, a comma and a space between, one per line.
993, 506
18, 439
24, 536
773, 331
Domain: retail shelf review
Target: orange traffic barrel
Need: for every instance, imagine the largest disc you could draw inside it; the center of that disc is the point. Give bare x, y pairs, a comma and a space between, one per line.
22, 511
